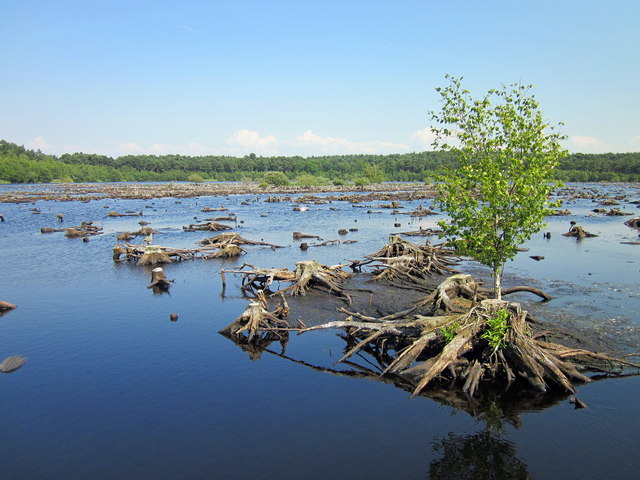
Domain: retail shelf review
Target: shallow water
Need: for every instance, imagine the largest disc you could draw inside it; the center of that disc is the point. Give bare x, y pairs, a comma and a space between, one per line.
113, 389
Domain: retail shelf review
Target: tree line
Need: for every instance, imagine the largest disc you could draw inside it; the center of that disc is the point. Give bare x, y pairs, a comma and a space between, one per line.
21, 165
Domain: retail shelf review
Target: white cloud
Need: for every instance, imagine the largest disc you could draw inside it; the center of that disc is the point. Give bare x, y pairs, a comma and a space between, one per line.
38, 143
246, 141
423, 139
585, 144
309, 144
130, 148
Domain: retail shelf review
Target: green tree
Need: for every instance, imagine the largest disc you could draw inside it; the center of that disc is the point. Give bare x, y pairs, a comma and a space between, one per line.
362, 182
497, 195
278, 179
194, 177
374, 173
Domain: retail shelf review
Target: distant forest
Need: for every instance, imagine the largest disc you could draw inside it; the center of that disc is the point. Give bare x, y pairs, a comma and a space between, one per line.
19, 165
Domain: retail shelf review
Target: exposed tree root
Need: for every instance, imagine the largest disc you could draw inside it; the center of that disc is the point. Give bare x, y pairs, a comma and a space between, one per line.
456, 350
578, 232
401, 262
256, 318
310, 274
155, 254
307, 276
634, 222
235, 238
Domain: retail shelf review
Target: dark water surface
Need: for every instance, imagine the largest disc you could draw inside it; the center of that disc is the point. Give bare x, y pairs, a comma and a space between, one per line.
113, 390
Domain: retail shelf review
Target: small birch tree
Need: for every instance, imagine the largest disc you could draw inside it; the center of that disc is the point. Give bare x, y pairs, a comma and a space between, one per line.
497, 195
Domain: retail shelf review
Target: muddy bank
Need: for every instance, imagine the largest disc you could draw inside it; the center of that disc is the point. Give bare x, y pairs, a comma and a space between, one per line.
95, 191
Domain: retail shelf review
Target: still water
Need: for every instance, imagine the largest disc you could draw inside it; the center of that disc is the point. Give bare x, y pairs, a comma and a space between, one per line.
114, 390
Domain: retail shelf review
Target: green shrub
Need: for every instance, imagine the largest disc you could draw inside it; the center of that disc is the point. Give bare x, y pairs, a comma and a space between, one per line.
496, 329
277, 179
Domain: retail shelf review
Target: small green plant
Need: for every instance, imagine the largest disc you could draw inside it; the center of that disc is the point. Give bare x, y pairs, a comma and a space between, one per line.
496, 329
195, 178
450, 331
263, 185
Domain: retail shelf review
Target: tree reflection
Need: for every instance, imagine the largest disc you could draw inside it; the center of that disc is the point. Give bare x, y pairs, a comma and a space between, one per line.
483, 456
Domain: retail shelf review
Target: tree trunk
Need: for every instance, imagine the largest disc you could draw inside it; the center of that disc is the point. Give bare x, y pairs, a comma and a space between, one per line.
497, 273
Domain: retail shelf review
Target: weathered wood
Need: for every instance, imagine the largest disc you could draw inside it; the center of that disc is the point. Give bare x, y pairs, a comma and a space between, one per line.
6, 306
11, 364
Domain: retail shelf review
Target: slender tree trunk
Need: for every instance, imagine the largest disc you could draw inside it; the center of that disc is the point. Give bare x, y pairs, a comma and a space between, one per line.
497, 289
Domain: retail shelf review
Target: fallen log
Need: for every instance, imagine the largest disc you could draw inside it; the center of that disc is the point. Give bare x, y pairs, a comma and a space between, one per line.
208, 226
299, 235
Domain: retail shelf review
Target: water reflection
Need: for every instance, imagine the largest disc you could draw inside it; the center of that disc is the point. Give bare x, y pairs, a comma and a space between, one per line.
490, 406
484, 455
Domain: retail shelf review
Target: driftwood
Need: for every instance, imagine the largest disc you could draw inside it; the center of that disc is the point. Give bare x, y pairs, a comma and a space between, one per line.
458, 293
455, 350
128, 214
209, 209
227, 218
227, 250
256, 317
634, 222
6, 306
578, 232
208, 226
159, 280
235, 238
407, 264
51, 230
298, 235
155, 254
85, 229
259, 279
422, 232
308, 275
12, 363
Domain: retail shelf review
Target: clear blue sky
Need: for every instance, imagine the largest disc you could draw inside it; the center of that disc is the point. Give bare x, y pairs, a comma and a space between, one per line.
304, 77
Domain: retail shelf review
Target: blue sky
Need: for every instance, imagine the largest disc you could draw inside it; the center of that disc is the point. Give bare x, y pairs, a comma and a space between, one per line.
305, 77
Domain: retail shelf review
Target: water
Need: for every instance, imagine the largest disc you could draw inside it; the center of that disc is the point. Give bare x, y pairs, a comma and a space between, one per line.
113, 389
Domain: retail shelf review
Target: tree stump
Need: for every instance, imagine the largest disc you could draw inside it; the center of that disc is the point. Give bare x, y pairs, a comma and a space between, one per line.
159, 280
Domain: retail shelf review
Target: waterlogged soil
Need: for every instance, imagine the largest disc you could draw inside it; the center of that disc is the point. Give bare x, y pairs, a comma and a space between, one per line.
113, 388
